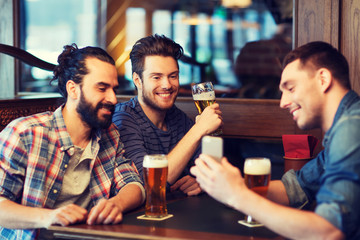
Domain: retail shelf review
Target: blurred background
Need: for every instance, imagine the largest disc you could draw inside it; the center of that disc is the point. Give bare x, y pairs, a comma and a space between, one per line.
236, 44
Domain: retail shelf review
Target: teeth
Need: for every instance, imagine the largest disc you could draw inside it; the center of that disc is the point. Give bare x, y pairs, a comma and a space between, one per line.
294, 112
164, 94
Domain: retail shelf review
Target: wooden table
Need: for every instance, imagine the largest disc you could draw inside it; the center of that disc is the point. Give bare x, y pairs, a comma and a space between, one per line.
199, 217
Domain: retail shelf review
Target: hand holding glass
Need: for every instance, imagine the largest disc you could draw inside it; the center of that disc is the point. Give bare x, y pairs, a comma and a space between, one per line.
257, 175
204, 95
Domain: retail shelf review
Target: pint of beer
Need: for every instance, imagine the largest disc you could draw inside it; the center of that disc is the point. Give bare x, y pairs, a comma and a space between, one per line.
155, 169
203, 96
257, 175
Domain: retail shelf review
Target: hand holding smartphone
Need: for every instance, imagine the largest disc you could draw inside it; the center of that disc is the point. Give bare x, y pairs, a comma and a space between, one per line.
212, 146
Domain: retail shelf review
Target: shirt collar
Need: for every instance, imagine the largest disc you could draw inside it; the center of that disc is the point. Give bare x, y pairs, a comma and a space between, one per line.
66, 143
349, 98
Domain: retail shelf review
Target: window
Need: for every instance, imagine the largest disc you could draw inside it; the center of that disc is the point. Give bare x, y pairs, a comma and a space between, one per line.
214, 36
47, 26
239, 49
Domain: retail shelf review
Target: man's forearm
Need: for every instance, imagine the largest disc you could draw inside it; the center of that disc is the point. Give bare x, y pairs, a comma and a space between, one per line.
14, 215
277, 193
289, 222
129, 197
182, 152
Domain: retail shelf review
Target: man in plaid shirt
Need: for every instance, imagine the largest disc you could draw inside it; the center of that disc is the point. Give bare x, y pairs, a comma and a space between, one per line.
68, 166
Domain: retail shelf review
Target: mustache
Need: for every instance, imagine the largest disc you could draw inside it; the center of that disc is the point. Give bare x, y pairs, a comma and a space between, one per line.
109, 106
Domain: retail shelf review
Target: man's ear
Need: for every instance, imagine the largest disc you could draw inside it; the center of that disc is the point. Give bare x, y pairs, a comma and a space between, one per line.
137, 80
325, 79
72, 89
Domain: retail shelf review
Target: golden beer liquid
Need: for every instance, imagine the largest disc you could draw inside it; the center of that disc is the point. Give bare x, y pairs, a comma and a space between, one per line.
202, 104
155, 186
257, 176
258, 183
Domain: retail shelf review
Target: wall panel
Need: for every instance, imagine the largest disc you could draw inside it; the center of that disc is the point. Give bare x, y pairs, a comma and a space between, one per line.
350, 39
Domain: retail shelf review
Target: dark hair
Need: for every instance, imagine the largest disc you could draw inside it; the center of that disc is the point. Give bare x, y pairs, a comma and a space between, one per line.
154, 45
322, 55
72, 65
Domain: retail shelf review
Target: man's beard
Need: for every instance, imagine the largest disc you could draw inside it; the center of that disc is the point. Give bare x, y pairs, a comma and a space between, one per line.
149, 102
89, 114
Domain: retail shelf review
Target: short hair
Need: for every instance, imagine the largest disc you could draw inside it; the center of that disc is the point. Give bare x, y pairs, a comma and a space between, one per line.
153, 45
321, 55
72, 65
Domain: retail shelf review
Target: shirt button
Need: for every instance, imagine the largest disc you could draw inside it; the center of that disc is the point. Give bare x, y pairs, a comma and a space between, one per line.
65, 166
55, 191
71, 151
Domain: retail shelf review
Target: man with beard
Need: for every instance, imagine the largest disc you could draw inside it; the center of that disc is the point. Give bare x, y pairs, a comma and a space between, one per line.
151, 124
67, 166
316, 90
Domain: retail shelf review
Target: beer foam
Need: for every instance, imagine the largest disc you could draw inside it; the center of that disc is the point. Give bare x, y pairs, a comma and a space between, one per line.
204, 96
155, 161
257, 166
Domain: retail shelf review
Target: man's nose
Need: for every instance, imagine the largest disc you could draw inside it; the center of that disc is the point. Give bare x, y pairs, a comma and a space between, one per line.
165, 83
111, 97
285, 100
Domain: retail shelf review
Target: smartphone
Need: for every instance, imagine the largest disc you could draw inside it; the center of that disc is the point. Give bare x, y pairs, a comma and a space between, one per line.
212, 146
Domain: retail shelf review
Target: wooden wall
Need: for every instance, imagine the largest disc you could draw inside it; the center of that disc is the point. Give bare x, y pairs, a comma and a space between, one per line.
350, 38
243, 118
333, 21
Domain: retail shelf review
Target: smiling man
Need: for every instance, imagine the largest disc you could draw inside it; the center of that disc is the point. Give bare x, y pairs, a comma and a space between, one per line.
151, 124
67, 166
316, 90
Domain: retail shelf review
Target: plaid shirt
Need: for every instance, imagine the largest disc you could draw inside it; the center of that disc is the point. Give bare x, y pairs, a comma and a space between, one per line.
34, 153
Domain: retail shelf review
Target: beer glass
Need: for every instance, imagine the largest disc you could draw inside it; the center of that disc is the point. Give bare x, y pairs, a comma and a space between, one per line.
257, 175
155, 169
204, 95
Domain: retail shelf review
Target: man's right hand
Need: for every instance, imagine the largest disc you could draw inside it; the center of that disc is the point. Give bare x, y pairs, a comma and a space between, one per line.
210, 119
66, 215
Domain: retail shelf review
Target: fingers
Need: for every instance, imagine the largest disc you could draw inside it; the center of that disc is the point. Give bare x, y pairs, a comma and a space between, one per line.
211, 162
178, 183
194, 192
210, 119
204, 175
67, 215
105, 212
188, 185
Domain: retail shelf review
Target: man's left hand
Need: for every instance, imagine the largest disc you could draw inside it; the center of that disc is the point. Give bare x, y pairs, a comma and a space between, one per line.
187, 185
105, 212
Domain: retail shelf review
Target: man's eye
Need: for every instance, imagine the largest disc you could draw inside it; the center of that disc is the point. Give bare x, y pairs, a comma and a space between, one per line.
102, 89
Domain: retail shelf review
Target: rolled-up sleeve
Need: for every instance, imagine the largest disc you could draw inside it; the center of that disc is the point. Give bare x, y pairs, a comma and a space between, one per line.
295, 193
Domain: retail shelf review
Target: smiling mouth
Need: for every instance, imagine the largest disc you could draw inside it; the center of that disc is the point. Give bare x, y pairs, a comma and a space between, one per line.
164, 95
293, 112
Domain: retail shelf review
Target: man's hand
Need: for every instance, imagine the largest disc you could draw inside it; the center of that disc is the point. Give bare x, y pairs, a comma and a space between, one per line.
210, 119
66, 215
187, 185
220, 180
105, 212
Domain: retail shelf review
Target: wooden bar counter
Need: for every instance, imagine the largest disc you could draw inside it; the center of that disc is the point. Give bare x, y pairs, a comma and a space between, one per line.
199, 217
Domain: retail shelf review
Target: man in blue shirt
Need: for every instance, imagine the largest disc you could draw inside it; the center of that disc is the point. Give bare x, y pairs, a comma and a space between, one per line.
315, 89
151, 124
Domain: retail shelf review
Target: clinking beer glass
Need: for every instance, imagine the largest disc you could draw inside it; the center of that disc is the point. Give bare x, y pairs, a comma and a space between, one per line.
204, 95
155, 169
257, 175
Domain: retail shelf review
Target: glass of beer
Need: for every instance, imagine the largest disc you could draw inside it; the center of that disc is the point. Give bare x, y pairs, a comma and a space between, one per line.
155, 169
257, 175
204, 95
